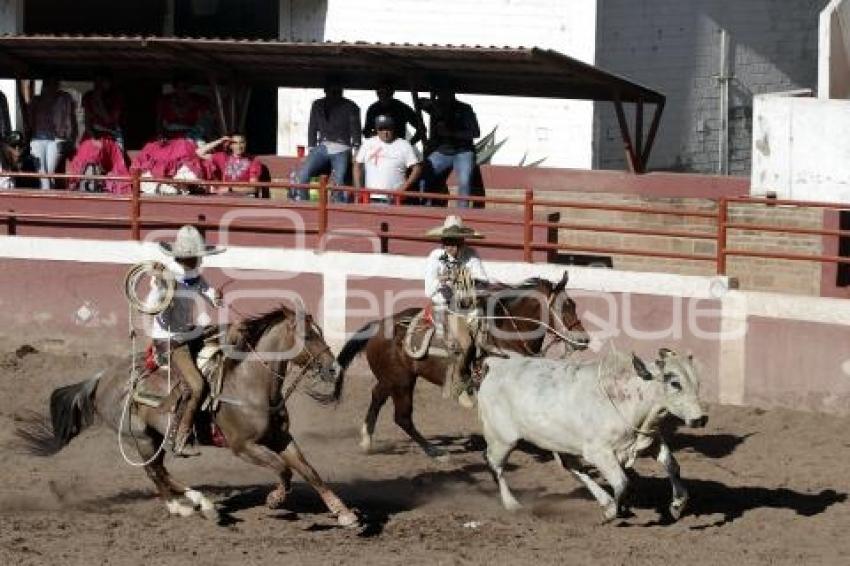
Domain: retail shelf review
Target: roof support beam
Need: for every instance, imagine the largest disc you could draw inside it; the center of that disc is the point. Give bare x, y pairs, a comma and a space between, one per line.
653, 130
632, 159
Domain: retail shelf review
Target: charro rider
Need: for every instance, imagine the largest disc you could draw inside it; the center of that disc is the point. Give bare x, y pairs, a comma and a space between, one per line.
450, 273
174, 327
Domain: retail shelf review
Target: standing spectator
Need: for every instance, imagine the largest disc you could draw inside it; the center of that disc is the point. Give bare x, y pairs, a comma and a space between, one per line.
387, 159
53, 120
231, 163
333, 133
450, 147
104, 107
401, 114
15, 157
5, 119
182, 114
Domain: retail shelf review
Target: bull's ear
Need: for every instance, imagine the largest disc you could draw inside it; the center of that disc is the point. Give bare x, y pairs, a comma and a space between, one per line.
640, 368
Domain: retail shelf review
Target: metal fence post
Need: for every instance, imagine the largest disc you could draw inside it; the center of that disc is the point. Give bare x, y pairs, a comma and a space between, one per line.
135, 205
722, 220
528, 229
323, 206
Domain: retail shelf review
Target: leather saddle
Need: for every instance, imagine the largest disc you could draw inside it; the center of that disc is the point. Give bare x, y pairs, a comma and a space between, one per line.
151, 387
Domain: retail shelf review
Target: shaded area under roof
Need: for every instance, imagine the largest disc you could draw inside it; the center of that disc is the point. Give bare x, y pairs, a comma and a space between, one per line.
508, 71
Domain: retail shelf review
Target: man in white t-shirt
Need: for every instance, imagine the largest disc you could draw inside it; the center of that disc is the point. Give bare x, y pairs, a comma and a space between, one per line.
391, 163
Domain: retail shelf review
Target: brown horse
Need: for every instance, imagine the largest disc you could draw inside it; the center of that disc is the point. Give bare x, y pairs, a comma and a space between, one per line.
252, 414
521, 316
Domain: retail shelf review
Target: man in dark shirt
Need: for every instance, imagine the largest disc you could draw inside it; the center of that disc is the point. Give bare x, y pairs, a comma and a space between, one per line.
333, 133
15, 156
454, 126
401, 114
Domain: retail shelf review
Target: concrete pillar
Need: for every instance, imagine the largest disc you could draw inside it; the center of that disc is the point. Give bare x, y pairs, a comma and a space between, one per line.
732, 364
335, 285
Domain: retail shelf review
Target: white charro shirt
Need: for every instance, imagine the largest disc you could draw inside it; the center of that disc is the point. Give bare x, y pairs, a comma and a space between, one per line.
386, 164
438, 263
178, 321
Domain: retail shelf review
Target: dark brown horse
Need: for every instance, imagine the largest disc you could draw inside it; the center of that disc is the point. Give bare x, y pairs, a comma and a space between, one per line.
252, 416
515, 315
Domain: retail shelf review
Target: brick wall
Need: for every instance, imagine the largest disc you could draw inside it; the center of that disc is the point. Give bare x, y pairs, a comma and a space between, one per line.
674, 46
753, 273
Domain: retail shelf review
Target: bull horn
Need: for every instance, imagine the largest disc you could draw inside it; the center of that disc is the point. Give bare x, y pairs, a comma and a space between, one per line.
640, 368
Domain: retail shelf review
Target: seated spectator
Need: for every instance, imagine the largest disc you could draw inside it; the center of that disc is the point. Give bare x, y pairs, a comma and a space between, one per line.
454, 126
333, 133
170, 159
104, 108
182, 113
401, 114
15, 157
387, 159
53, 119
100, 156
231, 163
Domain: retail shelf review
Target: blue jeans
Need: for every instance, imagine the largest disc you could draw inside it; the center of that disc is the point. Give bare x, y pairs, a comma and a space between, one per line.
317, 161
440, 165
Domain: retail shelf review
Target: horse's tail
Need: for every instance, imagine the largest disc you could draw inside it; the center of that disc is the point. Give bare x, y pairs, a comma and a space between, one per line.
72, 410
350, 350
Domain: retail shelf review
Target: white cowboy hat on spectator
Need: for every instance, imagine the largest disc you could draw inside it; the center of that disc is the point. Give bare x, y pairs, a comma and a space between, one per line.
453, 228
188, 243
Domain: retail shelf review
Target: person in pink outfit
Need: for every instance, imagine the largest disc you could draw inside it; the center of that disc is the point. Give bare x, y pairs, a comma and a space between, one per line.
232, 163
100, 156
170, 158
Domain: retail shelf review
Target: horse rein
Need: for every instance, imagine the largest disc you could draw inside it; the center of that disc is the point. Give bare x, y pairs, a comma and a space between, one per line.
550, 329
312, 361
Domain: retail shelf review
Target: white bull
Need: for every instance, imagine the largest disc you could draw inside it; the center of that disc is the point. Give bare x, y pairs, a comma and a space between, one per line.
606, 412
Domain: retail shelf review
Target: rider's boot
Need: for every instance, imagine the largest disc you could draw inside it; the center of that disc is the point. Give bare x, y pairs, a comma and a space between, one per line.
182, 359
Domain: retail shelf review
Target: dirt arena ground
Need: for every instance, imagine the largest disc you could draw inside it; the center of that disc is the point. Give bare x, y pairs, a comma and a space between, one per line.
767, 488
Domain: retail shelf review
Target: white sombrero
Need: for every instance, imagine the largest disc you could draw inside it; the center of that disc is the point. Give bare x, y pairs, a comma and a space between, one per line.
453, 228
188, 243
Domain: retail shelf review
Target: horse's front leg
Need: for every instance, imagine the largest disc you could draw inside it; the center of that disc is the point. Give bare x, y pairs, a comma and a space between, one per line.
295, 459
278, 496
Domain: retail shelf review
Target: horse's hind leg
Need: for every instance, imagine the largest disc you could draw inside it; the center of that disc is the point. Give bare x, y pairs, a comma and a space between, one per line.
403, 412
380, 393
171, 490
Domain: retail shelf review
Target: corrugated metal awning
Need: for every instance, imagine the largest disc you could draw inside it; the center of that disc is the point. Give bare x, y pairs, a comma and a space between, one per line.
510, 71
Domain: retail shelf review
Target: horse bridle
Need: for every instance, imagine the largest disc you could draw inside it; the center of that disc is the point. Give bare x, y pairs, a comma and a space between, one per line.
312, 362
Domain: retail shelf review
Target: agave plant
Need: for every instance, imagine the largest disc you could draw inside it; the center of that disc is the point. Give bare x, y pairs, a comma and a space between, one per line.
487, 147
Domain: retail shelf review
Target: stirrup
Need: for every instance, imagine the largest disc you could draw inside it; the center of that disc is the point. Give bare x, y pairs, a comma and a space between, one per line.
180, 449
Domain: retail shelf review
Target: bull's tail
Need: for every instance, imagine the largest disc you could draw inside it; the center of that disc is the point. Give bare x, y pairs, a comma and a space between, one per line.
72, 410
350, 350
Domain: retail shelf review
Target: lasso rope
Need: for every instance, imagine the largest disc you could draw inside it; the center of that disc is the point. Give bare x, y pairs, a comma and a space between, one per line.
125, 411
164, 279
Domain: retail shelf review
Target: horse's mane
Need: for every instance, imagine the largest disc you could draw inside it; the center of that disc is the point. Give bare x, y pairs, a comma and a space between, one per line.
252, 329
530, 284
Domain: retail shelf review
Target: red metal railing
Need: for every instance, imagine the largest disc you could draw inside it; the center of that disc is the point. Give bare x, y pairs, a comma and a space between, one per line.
717, 227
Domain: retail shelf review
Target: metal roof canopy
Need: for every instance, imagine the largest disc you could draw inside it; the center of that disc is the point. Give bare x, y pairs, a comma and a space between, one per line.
507, 71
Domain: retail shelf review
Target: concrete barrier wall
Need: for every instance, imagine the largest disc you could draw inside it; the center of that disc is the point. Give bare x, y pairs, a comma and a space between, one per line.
761, 349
